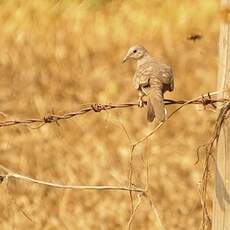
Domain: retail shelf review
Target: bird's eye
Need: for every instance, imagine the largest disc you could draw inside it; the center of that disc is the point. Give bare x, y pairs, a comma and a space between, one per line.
134, 51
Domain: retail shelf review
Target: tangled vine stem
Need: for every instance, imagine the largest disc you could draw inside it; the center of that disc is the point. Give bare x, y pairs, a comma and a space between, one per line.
204, 100
8, 174
209, 150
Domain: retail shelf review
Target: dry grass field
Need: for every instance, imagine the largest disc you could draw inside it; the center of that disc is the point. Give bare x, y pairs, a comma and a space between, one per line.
58, 56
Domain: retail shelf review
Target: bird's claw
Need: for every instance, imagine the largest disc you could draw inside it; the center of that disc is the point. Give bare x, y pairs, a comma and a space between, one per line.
140, 103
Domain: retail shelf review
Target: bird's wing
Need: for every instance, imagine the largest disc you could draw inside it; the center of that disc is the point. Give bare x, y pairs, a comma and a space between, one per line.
166, 74
154, 69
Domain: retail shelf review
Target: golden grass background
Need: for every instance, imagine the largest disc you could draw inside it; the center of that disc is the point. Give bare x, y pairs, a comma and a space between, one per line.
60, 55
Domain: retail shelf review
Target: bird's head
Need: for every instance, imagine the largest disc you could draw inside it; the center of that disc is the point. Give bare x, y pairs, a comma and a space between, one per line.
135, 52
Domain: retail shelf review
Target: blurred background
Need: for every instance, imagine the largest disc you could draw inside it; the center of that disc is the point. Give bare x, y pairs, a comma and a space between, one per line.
57, 57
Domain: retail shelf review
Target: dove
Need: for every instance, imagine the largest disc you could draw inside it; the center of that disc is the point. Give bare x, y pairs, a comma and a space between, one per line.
152, 79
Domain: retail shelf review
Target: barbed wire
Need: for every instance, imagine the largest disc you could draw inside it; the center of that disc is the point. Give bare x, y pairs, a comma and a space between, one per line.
203, 99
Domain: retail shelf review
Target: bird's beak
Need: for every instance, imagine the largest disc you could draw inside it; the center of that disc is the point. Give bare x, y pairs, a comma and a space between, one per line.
125, 59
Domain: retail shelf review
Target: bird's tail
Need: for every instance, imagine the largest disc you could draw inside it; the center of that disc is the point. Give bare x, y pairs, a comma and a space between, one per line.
155, 106
150, 110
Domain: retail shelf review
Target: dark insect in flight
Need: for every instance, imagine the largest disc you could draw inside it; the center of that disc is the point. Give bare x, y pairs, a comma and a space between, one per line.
194, 37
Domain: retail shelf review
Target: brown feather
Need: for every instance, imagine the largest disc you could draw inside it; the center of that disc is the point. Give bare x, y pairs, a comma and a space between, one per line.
150, 110
155, 105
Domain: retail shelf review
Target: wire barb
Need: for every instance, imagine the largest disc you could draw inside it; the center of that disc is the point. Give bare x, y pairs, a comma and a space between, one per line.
98, 107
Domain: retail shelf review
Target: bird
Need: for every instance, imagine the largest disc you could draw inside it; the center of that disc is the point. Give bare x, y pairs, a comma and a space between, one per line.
152, 79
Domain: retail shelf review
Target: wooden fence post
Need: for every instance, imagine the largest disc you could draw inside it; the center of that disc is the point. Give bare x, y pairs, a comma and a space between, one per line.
221, 199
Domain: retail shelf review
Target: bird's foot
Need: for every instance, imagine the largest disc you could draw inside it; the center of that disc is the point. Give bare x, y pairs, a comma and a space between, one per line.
140, 103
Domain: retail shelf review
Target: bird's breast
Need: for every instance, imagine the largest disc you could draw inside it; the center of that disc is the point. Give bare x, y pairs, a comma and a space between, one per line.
140, 81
